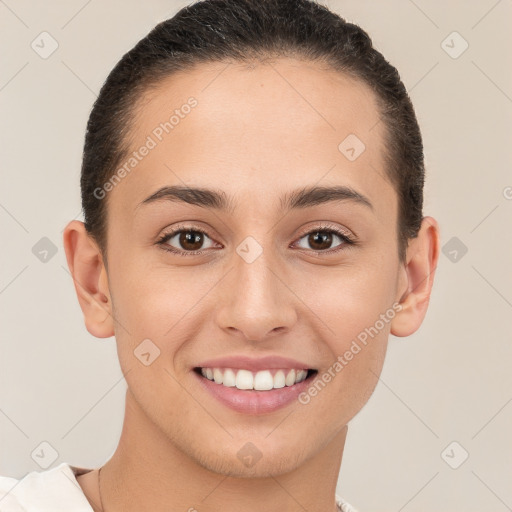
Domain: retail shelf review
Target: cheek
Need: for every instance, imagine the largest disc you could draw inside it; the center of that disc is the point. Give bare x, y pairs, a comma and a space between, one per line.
157, 303
350, 299
171, 306
355, 309
153, 308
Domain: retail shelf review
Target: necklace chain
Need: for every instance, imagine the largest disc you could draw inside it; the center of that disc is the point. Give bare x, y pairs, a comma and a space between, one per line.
99, 489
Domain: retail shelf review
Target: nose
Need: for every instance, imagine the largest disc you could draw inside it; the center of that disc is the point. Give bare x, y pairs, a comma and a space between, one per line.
255, 301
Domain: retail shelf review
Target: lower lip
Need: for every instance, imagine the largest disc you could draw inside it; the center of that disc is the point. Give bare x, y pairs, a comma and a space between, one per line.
252, 401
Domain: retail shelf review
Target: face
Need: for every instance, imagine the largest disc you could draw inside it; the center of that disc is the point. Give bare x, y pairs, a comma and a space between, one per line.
254, 269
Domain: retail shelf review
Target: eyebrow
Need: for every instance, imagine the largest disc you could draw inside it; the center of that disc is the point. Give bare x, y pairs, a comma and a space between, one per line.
217, 199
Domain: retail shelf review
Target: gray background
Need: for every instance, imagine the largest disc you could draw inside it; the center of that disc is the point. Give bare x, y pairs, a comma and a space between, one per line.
450, 381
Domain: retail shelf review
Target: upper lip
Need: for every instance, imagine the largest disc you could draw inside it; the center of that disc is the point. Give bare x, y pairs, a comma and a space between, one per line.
254, 364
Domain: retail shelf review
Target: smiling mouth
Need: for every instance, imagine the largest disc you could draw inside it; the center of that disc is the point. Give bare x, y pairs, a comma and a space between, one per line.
264, 380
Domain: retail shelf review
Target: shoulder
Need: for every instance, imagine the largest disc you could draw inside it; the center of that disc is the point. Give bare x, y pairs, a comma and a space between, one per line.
52, 490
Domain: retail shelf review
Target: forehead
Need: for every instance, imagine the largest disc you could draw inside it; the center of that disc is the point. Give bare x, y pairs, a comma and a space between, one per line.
260, 128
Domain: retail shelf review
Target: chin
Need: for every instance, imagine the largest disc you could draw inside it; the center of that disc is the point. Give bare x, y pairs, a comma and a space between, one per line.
249, 461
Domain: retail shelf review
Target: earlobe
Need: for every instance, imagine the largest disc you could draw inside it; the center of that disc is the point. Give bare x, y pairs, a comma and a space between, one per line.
417, 278
89, 274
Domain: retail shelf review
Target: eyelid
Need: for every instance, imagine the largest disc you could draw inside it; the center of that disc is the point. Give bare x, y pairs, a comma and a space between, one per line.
347, 238
167, 235
327, 226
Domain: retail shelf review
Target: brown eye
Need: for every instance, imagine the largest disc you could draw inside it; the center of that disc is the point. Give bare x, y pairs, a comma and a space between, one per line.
322, 240
191, 240
187, 240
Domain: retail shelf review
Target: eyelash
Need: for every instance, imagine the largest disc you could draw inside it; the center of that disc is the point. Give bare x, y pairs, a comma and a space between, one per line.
346, 239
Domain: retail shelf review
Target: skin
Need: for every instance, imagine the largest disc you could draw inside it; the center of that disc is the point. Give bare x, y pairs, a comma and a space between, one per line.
258, 133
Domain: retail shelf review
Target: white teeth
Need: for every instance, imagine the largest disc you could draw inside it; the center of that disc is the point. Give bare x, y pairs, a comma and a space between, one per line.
279, 379
290, 378
263, 381
244, 379
217, 376
229, 378
301, 375
259, 381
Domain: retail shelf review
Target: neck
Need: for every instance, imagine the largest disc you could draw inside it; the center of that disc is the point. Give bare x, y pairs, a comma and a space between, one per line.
149, 472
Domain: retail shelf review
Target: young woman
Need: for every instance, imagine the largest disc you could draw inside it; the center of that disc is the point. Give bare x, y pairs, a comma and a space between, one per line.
252, 186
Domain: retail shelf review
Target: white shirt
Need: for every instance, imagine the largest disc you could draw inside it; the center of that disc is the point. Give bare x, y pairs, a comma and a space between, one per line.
57, 490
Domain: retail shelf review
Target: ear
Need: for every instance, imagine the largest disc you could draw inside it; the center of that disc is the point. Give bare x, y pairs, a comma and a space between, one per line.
87, 268
416, 279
